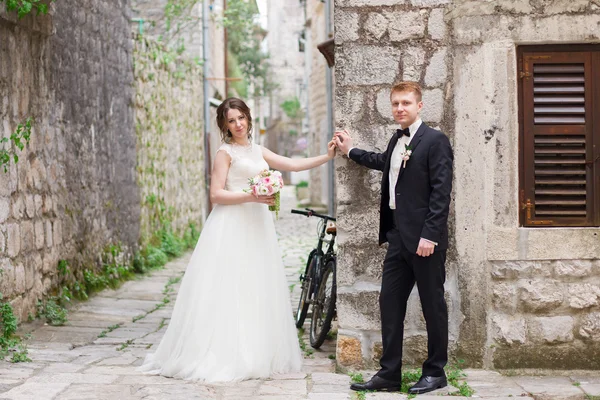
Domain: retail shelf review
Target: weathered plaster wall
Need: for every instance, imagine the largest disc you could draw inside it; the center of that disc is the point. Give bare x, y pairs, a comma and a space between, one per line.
536, 288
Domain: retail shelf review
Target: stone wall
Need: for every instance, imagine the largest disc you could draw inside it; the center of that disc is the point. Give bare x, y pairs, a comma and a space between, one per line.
74, 189
84, 181
517, 297
170, 149
545, 267
317, 92
285, 23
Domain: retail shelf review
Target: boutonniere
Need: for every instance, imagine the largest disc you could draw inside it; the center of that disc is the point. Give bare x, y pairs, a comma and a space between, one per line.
406, 154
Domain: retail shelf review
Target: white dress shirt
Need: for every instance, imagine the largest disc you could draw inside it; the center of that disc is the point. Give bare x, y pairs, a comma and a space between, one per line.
396, 160
396, 163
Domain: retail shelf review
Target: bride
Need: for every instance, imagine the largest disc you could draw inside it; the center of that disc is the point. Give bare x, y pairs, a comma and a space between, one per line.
232, 319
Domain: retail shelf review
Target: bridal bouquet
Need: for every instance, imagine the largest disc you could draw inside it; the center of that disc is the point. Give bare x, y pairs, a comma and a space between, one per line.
267, 183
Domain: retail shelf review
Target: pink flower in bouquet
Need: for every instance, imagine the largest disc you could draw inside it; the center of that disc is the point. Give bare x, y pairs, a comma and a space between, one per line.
267, 183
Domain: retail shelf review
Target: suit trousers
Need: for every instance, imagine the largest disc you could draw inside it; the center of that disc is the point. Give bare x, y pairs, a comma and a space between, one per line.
401, 270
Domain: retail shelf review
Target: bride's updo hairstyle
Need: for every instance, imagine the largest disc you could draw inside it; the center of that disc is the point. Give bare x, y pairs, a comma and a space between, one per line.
229, 104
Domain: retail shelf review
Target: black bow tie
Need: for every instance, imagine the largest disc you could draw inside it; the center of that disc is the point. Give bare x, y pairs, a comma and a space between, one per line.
403, 132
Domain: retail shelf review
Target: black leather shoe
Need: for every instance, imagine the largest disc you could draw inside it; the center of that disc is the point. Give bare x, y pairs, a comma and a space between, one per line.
428, 384
377, 384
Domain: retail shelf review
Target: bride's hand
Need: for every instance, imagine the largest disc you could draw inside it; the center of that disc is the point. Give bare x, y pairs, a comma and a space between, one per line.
331, 149
268, 200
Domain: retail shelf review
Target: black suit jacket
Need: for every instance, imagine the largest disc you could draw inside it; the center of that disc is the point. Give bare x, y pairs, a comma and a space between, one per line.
422, 190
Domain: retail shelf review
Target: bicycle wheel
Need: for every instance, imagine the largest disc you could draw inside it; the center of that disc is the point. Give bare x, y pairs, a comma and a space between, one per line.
307, 288
323, 306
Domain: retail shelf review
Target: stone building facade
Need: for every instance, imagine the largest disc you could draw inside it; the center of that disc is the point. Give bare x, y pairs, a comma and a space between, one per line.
285, 24
317, 98
77, 187
518, 297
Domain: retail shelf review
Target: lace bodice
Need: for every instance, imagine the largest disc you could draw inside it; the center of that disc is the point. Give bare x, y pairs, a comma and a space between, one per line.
246, 162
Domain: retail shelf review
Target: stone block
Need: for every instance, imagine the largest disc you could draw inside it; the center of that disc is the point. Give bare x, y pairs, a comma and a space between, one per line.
433, 106
383, 103
37, 199
19, 279
429, 3
346, 23
48, 235
349, 107
436, 26
551, 330
4, 208
37, 174
30, 272
39, 234
412, 64
7, 281
565, 6
27, 236
521, 269
538, 295
47, 206
349, 351
367, 65
509, 329
584, 295
436, 73
504, 297
590, 327
30, 206
358, 310
573, 268
363, 3
49, 262
46, 285
57, 234
376, 352
376, 25
18, 208
2, 244
13, 242
8, 181
405, 25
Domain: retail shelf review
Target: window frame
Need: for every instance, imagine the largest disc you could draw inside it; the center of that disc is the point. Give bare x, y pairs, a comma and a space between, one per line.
592, 133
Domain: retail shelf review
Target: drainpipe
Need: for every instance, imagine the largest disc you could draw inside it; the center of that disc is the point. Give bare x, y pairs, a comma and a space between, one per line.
206, 86
330, 123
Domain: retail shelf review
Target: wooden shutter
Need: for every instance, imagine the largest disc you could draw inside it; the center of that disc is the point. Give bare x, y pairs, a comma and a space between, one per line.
558, 181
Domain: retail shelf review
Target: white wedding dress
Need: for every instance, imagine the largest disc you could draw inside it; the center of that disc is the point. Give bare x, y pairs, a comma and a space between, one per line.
232, 319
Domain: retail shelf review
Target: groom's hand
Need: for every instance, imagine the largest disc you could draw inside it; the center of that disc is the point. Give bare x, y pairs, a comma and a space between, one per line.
343, 141
425, 248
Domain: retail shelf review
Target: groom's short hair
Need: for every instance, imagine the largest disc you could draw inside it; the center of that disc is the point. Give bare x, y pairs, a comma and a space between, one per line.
407, 86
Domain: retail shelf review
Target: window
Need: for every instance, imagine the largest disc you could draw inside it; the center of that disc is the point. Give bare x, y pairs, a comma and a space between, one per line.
559, 119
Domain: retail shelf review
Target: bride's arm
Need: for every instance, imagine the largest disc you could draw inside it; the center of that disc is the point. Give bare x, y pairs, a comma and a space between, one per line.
218, 193
282, 163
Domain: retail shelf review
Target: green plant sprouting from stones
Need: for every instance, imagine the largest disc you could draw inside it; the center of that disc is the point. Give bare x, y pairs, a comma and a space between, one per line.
19, 139
9, 342
25, 7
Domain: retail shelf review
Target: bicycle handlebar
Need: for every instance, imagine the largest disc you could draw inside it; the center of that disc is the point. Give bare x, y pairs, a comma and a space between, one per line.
312, 213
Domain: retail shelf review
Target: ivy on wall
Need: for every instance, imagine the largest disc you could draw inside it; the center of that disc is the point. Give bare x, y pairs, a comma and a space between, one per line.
18, 139
25, 7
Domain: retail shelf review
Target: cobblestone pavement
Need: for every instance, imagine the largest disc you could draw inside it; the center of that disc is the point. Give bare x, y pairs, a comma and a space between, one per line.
95, 355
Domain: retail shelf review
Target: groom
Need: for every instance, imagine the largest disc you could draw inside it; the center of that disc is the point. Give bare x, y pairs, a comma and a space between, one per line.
415, 199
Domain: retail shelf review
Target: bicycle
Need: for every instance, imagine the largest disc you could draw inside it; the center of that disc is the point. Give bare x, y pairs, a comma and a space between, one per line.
319, 282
